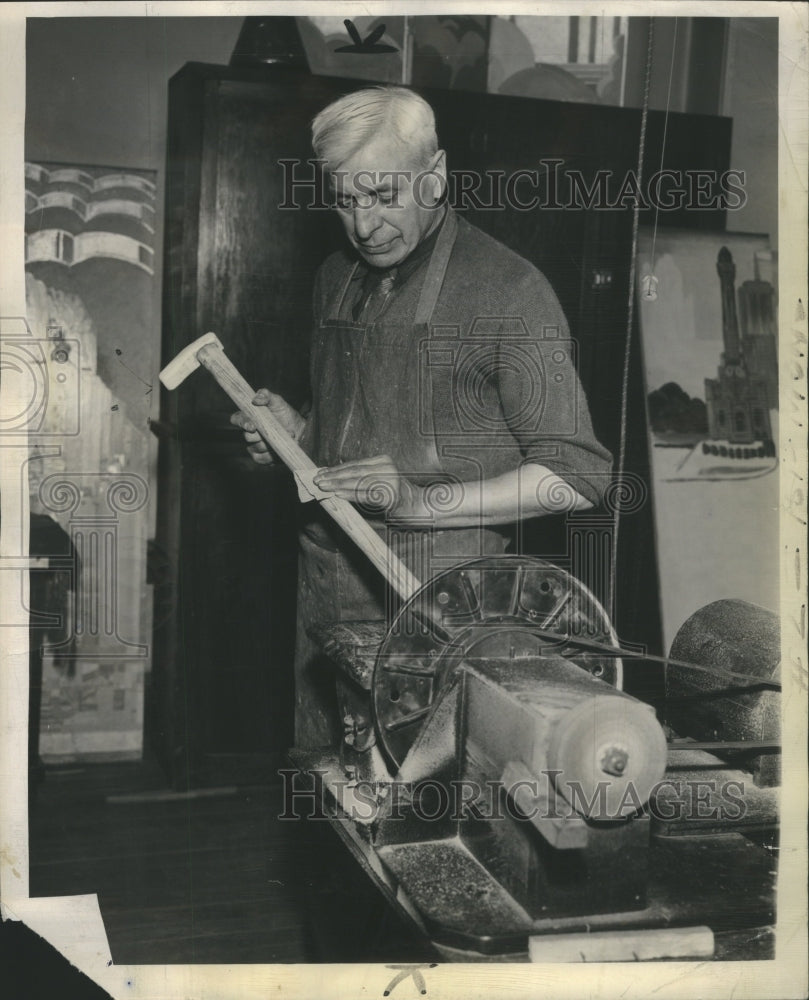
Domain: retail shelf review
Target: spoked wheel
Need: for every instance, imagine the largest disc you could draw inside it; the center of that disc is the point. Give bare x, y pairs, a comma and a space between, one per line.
501, 607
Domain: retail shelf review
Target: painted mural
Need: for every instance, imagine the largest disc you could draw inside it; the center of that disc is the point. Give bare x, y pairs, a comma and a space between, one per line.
554, 58
708, 317
90, 299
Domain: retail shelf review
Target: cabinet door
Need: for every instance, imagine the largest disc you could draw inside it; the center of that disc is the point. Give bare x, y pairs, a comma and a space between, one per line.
221, 706
584, 247
240, 265
584, 252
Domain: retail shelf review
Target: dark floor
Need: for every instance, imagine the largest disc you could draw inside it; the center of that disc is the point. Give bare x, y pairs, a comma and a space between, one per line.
220, 879
211, 879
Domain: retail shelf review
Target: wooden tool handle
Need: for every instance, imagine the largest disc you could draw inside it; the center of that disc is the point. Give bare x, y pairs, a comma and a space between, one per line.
293, 456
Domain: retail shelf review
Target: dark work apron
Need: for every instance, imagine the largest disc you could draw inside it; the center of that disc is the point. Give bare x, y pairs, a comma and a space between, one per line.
368, 399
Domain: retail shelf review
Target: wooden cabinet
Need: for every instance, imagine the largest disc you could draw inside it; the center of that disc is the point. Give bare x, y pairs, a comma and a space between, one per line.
220, 704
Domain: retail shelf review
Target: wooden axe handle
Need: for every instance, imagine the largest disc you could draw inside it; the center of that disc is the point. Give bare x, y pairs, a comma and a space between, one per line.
347, 516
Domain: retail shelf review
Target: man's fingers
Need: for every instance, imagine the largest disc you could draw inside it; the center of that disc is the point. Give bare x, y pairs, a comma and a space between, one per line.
372, 481
260, 455
374, 498
257, 447
277, 404
240, 420
348, 490
346, 478
336, 471
360, 464
358, 468
369, 488
342, 493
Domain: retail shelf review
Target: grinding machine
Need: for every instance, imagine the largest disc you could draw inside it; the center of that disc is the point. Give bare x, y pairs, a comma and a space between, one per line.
505, 794
503, 791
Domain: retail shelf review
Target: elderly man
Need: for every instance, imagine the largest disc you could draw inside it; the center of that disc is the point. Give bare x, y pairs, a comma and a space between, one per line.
443, 394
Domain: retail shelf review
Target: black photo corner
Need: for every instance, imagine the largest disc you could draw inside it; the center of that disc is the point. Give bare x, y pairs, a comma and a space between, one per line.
255, 700
33, 968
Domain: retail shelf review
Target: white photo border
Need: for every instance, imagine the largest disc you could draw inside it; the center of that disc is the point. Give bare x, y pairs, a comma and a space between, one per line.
74, 925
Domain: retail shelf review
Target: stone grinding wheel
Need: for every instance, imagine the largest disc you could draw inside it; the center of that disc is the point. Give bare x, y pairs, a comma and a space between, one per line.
729, 634
492, 607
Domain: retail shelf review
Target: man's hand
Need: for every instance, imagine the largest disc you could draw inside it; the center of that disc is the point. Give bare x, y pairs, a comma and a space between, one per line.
289, 418
373, 482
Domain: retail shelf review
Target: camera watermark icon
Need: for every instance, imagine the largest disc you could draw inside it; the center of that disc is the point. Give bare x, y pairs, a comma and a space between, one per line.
41, 380
464, 379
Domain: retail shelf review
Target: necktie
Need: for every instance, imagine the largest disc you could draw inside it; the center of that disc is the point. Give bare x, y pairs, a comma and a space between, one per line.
376, 289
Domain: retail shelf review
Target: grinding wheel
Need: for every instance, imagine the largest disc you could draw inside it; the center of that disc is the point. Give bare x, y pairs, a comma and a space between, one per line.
497, 606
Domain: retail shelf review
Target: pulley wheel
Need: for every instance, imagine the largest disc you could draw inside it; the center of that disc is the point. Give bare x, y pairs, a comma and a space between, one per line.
497, 607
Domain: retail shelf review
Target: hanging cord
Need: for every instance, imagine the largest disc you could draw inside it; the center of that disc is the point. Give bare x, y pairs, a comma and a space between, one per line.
663, 147
616, 517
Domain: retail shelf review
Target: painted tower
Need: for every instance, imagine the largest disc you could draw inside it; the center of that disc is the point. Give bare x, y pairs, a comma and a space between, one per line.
737, 399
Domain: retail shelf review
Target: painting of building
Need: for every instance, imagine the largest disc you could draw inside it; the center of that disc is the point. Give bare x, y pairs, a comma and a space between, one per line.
708, 335
738, 399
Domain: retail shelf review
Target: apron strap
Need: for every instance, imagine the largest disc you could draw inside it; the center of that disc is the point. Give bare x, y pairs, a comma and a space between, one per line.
338, 305
436, 270
430, 290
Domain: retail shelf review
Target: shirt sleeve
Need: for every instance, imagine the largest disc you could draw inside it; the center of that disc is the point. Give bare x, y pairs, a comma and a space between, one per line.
541, 396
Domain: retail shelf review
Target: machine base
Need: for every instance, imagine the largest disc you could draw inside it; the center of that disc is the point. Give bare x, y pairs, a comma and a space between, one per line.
722, 881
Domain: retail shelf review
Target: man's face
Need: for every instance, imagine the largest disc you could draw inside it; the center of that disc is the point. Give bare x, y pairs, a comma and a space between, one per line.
387, 200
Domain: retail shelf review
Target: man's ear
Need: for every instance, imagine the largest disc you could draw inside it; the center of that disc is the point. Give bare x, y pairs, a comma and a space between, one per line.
438, 170
439, 164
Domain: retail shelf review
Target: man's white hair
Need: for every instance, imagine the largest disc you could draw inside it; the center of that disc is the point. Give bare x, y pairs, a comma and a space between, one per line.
351, 121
